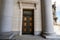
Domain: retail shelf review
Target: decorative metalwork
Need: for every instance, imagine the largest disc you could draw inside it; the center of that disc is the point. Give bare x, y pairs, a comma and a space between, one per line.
24, 29
25, 24
25, 18
30, 18
30, 29
30, 24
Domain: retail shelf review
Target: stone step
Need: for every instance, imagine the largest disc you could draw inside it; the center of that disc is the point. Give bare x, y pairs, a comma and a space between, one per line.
6, 35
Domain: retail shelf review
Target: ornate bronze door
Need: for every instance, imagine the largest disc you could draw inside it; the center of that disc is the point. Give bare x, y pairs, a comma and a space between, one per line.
28, 22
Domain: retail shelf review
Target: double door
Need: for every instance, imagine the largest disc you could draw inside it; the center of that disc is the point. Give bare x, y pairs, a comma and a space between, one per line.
28, 22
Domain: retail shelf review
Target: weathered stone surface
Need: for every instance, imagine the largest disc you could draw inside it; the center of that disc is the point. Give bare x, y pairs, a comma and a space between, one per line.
31, 37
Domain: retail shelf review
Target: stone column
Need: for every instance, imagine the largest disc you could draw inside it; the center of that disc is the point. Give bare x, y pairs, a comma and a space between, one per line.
47, 18
7, 12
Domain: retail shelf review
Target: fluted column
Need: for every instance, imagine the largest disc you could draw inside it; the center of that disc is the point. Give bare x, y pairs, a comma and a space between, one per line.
7, 12
47, 18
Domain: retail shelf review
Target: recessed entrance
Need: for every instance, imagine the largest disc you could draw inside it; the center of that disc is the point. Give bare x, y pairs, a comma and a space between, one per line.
28, 21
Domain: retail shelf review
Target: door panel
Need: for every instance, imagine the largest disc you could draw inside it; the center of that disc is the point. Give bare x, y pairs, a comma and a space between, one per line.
28, 22
25, 18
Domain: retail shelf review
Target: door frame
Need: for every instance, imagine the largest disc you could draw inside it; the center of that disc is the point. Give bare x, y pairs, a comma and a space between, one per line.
33, 19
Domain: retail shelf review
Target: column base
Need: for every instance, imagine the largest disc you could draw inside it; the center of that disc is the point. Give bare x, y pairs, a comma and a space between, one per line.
50, 35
